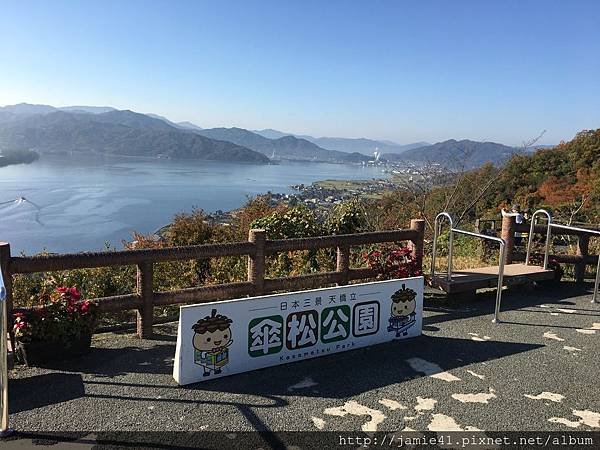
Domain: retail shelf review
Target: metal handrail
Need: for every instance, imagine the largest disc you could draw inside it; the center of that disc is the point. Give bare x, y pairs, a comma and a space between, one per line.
501, 261
530, 237
436, 231
581, 230
551, 225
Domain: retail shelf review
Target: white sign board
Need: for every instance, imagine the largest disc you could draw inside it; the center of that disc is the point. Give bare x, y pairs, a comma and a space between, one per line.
223, 338
2, 288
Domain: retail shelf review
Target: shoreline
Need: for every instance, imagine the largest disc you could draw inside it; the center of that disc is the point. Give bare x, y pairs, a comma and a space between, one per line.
116, 211
321, 194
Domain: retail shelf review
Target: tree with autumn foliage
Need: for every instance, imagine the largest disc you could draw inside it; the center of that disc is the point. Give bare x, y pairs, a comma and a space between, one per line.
566, 197
565, 179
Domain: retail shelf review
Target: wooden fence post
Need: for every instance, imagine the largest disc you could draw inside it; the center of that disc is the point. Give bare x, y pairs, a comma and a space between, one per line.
417, 245
145, 314
508, 234
256, 262
583, 245
8, 281
343, 263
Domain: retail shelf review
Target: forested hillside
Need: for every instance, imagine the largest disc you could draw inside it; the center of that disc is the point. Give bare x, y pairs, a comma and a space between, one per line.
565, 178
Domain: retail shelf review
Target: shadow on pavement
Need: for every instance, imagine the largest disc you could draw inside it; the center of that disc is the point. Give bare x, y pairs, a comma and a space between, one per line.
112, 362
351, 373
43, 390
483, 303
337, 376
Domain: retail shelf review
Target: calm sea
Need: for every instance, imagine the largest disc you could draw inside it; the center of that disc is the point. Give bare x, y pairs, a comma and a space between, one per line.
79, 204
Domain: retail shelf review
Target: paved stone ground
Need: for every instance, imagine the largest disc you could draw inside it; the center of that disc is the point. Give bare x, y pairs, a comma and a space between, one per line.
538, 370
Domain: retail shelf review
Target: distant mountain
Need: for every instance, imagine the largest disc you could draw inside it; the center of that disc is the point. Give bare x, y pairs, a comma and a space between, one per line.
269, 133
452, 153
183, 125
189, 125
363, 145
15, 112
535, 148
88, 109
385, 141
285, 147
360, 145
164, 119
27, 109
133, 120
118, 133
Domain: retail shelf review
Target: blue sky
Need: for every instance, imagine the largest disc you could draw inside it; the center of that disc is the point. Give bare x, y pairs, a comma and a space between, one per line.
401, 70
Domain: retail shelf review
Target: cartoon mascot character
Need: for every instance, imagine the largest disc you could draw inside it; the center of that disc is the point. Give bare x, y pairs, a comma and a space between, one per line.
212, 336
403, 314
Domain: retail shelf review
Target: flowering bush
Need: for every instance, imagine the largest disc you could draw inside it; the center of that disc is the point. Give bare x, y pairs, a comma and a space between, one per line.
393, 262
62, 317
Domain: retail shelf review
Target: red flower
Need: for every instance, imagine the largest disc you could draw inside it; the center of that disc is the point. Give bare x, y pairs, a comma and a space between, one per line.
70, 292
85, 306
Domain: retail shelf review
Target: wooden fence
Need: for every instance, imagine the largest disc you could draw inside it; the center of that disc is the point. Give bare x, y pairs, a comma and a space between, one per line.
256, 249
580, 260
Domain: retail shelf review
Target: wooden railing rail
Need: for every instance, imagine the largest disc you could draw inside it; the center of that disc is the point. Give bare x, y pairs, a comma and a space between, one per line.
52, 262
256, 249
580, 260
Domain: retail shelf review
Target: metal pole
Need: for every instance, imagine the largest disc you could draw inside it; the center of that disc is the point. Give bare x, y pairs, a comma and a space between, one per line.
433, 249
530, 238
581, 230
548, 233
4, 429
437, 228
500, 281
450, 246
595, 296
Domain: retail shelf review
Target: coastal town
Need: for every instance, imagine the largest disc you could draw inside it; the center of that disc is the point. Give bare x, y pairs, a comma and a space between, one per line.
320, 195
324, 194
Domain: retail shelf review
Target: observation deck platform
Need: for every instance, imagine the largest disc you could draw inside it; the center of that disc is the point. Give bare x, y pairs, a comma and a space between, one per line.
469, 280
